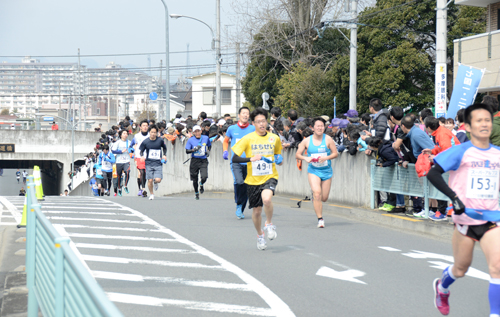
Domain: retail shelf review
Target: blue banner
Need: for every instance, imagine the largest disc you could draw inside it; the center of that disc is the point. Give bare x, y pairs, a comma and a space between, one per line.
465, 89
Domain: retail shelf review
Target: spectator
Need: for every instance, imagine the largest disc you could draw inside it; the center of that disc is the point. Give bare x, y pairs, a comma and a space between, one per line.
461, 133
55, 127
423, 115
442, 121
386, 156
365, 119
379, 124
297, 138
227, 116
205, 128
418, 138
450, 125
495, 131
276, 114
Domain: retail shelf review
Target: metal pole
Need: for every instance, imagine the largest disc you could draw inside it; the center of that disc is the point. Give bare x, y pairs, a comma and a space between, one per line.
84, 101
218, 62
167, 65
159, 101
79, 93
238, 83
353, 58
441, 29
109, 103
72, 144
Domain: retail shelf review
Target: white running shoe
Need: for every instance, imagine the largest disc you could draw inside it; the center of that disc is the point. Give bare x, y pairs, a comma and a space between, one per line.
155, 186
321, 223
271, 231
151, 197
261, 242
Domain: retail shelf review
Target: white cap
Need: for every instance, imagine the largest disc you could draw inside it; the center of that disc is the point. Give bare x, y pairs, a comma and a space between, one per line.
196, 127
177, 120
221, 122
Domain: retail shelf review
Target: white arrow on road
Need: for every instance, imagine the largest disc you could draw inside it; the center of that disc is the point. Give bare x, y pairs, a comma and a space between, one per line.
347, 275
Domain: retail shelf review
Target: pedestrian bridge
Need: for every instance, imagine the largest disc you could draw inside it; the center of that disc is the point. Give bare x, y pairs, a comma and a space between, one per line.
51, 150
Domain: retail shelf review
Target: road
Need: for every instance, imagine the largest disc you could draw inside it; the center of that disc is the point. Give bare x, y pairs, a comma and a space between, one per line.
8, 182
180, 257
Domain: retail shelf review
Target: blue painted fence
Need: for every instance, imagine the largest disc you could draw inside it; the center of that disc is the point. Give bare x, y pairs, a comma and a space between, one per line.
58, 283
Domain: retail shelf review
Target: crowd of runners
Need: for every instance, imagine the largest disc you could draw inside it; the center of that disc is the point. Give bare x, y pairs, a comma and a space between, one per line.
467, 147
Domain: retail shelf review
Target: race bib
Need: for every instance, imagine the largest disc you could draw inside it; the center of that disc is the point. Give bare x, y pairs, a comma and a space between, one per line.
482, 184
261, 168
318, 155
154, 155
99, 172
200, 152
94, 186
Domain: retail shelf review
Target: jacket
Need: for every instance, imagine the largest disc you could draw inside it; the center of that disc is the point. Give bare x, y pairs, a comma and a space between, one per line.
379, 125
419, 140
462, 134
495, 132
444, 140
386, 154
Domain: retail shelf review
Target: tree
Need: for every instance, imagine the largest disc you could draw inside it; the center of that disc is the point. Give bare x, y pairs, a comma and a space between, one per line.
396, 53
147, 113
307, 90
4, 112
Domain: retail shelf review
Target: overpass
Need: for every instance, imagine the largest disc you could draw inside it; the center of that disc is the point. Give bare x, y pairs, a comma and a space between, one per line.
51, 150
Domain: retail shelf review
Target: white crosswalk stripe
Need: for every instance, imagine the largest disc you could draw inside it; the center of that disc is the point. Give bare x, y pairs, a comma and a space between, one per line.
121, 245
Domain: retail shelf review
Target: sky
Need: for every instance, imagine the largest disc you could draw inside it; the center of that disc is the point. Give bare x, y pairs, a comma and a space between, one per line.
60, 27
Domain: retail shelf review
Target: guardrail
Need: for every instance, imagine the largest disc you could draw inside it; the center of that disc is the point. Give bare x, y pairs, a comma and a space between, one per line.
405, 181
58, 283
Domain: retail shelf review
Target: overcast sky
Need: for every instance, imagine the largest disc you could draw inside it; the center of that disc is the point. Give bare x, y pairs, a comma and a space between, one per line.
60, 27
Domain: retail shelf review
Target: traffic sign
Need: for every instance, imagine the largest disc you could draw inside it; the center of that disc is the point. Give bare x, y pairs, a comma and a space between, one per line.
153, 96
48, 118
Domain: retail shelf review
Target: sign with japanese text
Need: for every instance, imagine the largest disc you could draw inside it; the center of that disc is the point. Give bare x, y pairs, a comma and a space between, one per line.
440, 94
465, 89
7, 148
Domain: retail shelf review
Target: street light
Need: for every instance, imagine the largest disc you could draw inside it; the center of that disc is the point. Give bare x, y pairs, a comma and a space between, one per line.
217, 57
73, 126
167, 65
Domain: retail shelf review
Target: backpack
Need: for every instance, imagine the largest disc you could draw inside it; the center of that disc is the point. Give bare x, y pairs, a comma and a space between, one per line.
423, 165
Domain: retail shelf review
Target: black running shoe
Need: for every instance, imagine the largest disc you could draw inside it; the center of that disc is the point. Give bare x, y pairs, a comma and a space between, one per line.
202, 190
197, 197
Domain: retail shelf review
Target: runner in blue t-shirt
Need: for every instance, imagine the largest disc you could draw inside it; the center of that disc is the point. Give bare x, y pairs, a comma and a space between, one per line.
239, 170
93, 186
198, 146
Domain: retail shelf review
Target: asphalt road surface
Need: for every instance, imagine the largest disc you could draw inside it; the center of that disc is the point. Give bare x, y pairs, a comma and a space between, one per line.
177, 256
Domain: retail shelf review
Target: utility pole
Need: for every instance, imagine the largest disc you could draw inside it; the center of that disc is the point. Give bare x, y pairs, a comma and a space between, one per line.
441, 69
160, 108
109, 100
84, 100
354, 56
238, 84
79, 94
167, 65
218, 62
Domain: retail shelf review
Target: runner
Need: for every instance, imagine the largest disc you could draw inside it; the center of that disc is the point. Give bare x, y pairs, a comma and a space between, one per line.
153, 159
100, 181
121, 148
93, 185
134, 148
106, 160
474, 180
262, 150
199, 147
25, 175
234, 134
321, 150
18, 175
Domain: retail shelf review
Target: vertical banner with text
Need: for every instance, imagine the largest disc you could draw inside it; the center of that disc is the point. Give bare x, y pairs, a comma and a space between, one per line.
465, 89
440, 96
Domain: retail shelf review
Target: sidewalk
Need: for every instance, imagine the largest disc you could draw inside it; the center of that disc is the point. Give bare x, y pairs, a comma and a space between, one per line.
438, 230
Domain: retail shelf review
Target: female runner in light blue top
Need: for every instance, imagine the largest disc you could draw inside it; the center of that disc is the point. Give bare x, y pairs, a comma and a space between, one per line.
321, 150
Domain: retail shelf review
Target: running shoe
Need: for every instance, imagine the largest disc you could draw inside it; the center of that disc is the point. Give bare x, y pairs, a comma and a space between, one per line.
155, 187
202, 190
438, 217
151, 197
114, 194
384, 207
126, 189
108, 193
239, 212
321, 223
120, 193
261, 242
419, 214
139, 193
389, 208
441, 299
271, 231
197, 197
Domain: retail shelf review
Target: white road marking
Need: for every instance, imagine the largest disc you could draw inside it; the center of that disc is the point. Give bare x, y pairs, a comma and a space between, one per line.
86, 213
428, 255
80, 207
109, 228
10, 207
171, 280
60, 229
110, 259
472, 272
105, 236
390, 249
206, 306
96, 219
348, 275
131, 248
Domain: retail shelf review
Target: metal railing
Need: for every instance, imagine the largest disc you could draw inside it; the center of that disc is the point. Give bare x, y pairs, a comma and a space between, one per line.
405, 181
58, 283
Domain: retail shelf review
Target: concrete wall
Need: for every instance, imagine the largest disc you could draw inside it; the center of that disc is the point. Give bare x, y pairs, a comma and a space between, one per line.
350, 186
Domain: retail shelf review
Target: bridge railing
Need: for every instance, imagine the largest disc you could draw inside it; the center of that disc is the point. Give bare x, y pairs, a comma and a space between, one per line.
58, 283
405, 181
